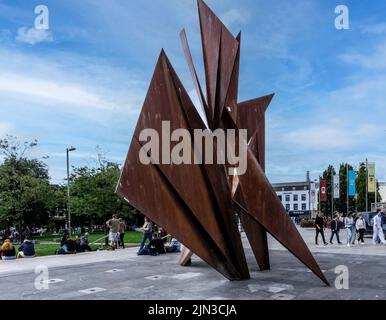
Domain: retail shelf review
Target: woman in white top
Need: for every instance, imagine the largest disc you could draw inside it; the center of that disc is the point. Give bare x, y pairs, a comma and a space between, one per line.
361, 228
348, 223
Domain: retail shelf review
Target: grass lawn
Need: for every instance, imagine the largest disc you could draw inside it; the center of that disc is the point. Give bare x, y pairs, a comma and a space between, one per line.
51, 243
131, 237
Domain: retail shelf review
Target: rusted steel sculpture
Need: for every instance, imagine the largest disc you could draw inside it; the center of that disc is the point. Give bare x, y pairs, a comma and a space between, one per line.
197, 203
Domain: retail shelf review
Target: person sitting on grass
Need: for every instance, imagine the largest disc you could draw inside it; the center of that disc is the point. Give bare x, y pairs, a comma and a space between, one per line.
69, 247
27, 250
8, 251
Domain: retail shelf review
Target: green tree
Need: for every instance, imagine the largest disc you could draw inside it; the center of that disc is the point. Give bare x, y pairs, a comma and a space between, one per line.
361, 190
26, 197
341, 203
326, 207
93, 198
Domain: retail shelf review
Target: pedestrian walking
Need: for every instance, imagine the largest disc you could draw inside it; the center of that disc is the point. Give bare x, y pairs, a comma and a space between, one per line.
335, 228
348, 223
361, 228
354, 229
319, 228
378, 228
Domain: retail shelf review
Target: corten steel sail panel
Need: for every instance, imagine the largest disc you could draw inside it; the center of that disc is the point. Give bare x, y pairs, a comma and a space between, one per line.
173, 208
218, 187
265, 207
256, 234
232, 96
144, 187
164, 103
193, 72
251, 115
211, 29
220, 49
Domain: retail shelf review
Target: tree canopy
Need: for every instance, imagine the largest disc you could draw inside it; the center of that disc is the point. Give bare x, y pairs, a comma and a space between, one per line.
27, 198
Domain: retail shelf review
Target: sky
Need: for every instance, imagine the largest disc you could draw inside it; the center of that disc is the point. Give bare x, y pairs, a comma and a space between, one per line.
83, 81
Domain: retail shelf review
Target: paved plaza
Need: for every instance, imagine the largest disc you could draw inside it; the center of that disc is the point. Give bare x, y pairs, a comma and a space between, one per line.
121, 275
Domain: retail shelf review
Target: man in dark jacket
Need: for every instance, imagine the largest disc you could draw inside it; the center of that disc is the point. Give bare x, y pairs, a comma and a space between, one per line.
157, 245
319, 226
69, 246
335, 228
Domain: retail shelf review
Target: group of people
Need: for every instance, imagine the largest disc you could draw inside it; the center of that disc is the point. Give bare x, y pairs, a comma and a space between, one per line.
355, 228
70, 246
8, 250
157, 241
117, 232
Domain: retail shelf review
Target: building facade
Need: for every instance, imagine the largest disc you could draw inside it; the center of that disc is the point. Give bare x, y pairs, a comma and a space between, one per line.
298, 198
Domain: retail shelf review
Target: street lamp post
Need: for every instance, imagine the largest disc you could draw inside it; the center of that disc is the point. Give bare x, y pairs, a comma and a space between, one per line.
68, 150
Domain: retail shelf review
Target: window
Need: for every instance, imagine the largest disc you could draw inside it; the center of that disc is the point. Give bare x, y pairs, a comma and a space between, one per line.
296, 207
304, 197
281, 198
296, 197
304, 207
287, 206
287, 198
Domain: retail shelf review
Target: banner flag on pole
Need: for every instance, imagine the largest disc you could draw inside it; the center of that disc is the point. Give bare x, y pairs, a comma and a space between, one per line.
371, 178
336, 187
323, 190
352, 185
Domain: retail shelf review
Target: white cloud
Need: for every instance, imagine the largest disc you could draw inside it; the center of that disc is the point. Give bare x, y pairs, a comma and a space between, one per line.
33, 36
62, 92
379, 28
69, 82
233, 16
374, 60
332, 135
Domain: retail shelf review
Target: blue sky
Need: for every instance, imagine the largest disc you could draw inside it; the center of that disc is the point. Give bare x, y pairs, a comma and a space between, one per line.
84, 80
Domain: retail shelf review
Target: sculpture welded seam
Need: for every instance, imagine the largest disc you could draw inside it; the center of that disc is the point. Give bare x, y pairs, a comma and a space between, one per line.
197, 202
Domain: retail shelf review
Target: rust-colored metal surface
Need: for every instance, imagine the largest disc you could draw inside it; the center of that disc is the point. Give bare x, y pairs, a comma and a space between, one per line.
251, 116
193, 72
198, 202
185, 258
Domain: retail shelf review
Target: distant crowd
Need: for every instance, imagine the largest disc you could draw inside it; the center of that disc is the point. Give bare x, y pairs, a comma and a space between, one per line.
155, 240
355, 226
